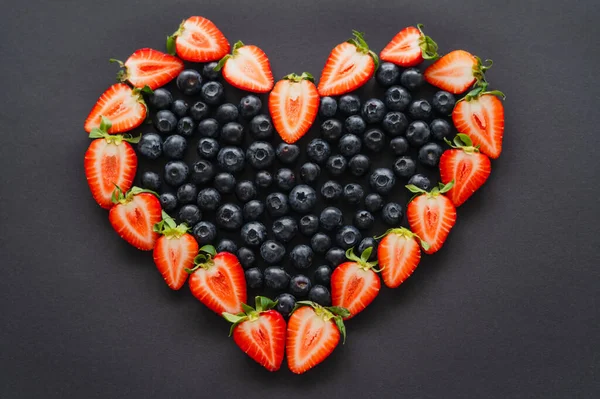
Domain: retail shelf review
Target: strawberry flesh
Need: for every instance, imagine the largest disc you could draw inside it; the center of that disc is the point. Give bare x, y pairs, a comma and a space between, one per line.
152, 68
119, 103
135, 218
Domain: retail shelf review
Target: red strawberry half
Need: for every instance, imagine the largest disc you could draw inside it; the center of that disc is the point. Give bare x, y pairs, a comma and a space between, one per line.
120, 104
198, 40
399, 254
247, 68
260, 332
294, 104
350, 65
148, 67
456, 71
218, 281
410, 47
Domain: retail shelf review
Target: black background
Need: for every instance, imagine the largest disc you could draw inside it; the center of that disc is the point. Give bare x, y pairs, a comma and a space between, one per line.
509, 307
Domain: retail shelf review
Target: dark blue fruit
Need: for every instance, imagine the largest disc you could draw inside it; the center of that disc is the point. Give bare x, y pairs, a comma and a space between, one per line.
399, 145
253, 210
440, 129
276, 278
180, 108
363, 220
187, 193
226, 113
348, 237
168, 201
207, 148
355, 124
231, 159
277, 204
285, 179
229, 216
272, 251
336, 164
349, 104
429, 154
331, 130
382, 180
418, 133
185, 126
331, 218
420, 181
176, 173
320, 295
261, 127
254, 278
246, 257
212, 93
373, 110
245, 191
161, 99
331, 190
368, 242
260, 154
208, 199
151, 180
387, 74
392, 213
284, 229
443, 102
300, 285
309, 225
328, 107
405, 167
374, 140
301, 256
202, 172
373, 202
302, 198
165, 121
359, 165
349, 145
204, 232
174, 146
419, 109
253, 233
320, 243
189, 214
335, 256
285, 304
287, 153
397, 98
353, 193
249, 106
232, 133
199, 110
227, 245
209, 72
395, 123
411, 78
309, 172
318, 150
209, 128
263, 179
323, 275
189, 82
224, 183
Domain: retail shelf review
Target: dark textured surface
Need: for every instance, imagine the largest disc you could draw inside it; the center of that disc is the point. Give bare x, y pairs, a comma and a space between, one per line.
509, 308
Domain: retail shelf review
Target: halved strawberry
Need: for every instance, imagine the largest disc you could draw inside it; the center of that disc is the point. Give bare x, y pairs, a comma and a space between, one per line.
198, 40
431, 215
247, 68
350, 65
218, 281
354, 284
399, 254
456, 71
174, 251
109, 161
134, 215
260, 333
410, 47
313, 332
480, 115
149, 67
122, 105
294, 104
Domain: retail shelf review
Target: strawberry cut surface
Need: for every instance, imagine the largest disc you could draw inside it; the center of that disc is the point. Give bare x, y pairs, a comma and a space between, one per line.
135, 218
198, 40
123, 106
149, 67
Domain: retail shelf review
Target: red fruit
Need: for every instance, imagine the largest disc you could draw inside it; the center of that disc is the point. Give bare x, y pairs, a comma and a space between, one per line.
260, 333
149, 67
174, 251
122, 105
294, 104
198, 40
109, 161
134, 215
350, 65
354, 284
247, 68
456, 71
480, 115
313, 332
409, 47
218, 281
399, 253
431, 216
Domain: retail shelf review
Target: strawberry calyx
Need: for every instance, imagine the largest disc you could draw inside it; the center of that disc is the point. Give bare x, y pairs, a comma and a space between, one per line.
406, 233
120, 197
362, 47
263, 304
480, 90
363, 260
102, 132
234, 51
204, 259
479, 72
462, 142
335, 313
123, 73
440, 189
168, 228
429, 48
171, 49
298, 78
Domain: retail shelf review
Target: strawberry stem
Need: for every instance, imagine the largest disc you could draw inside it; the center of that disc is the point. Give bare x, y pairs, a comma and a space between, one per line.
263, 304
462, 142
429, 48
298, 78
171, 40
363, 260
363, 47
335, 313
169, 228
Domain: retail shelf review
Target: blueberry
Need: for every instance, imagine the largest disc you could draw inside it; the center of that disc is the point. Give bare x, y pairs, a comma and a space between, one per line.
209, 72
204, 232
349, 104
232, 133
419, 109
348, 237
190, 214
209, 128
363, 220
199, 111
300, 285
335, 256
355, 124
443, 102
161, 99
318, 150
168, 201
189, 82
254, 278
231, 159
227, 245
261, 127
208, 199
373, 110
382, 180
387, 74
320, 243
187, 193
309, 172
180, 108
260, 154
226, 113
174, 146
246, 257
207, 148
368, 242
331, 218
287, 153
151, 181
395, 123
323, 275
176, 173
245, 191
374, 140
405, 167
331, 190
399, 145
277, 204
392, 213
418, 133
263, 179
336, 164
411, 78
276, 278
397, 98
302, 198
309, 225
253, 233
212, 93
249, 106
272, 251
285, 304
301, 256
229, 216
225, 183
185, 126
331, 130
429, 154
203, 171
285, 179
353, 193
327, 107
320, 295
165, 121
373, 202
420, 181
284, 229
349, 145
253, 210
440, 129
359, 165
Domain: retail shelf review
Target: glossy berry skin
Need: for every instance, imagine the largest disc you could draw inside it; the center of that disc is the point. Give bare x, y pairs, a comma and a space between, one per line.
328, 107
245, 191
165, 121
373, 202
363, 220
336, 164
246, 257
397, 98
272, 252
302, 198
207, 148
392, 214
429, 154
359, 165
318, 150
301, 256
412, 79
399, 146
285, 179
168, 201
320, 295
349, 104
443, 102
254, 278
202, 172
382, 180
420, 181
209, 128
387, 74
174, 147
212, 93
373, 110
440, 129
309, 172
309, 225
189, 82
176, 173
395, 123
198, 111
253, 210
285, 304
355, 125
225, 183
418, 133
208, 199
277, 204
331, 218
348, 237
287, 153
331, 190
249, 106
227, 245
374, 140
284, 229
160, 99
226, 113
353, 193
231, 159
189, 214
229, 216
185, 126
209, 72
368, 242
261, 127
300, 285
405, 167
419, 110
331, 130
276, 278
232, 133
320, 243
323, 275
180, 108
187, 193
335, 256
260, 154
263, 179
349, 145
204, 232
151, 181
253, 234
